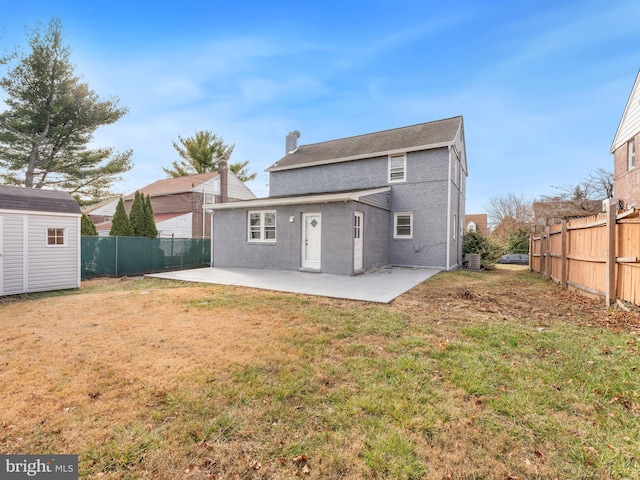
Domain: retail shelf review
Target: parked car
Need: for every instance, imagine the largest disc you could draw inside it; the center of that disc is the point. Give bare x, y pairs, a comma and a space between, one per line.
515, 259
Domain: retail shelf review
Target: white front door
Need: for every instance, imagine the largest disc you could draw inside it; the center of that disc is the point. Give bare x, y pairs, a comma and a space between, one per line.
311, 240
357, 241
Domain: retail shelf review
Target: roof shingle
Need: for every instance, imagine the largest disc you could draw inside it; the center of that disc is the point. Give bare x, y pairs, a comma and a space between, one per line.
373, 144
37, 200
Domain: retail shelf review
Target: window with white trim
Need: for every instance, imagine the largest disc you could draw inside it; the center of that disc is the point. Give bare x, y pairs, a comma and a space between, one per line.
261, 226
397, 168
631, 154
55, 236
403, 225
471, 227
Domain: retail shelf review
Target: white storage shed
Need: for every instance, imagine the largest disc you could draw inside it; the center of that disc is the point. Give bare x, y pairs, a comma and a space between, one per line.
39, 240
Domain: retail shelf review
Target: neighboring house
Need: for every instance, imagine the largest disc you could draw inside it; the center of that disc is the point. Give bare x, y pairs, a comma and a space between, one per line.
551, 212
626, 171
39, 240
178, 204
346, 206
476, 222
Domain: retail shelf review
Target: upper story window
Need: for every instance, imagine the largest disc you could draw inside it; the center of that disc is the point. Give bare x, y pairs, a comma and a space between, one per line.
631, 154
403, 225
55, 236
262, 226
397, 168
471, 227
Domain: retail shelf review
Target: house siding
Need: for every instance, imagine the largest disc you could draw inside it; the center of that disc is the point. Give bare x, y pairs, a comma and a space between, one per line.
335, 177
286, 252
425, 193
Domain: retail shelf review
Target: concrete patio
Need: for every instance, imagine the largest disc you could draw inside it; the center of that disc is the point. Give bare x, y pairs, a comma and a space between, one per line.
380, 286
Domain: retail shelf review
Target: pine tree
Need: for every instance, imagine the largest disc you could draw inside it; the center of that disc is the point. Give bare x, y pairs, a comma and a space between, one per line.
120, 224
86, 226
151, 230
50, 119
137, 216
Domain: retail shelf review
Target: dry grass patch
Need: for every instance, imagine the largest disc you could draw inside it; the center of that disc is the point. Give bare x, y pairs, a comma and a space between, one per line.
469, 375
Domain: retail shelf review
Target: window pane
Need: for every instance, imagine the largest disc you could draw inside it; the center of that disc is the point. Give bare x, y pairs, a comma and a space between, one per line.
396, 168
269, 219
270, 233
55, 236
254, 219
403, 225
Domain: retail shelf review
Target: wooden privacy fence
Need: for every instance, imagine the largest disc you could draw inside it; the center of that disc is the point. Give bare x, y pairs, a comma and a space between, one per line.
597, 255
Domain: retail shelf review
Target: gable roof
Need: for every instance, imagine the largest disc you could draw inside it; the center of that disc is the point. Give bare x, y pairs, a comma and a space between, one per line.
170, 186
37, 200
439, 133
630, 122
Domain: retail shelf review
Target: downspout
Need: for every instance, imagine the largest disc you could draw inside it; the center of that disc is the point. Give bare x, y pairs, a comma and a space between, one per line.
211, 247
448, 236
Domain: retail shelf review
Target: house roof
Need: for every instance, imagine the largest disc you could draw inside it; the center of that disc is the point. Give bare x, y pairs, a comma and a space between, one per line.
352, 195
157, 218
37, 200
629, 125
169, 186
422, 136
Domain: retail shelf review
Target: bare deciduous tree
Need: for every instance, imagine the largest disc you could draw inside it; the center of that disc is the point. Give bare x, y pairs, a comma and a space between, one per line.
598, 185
509, 208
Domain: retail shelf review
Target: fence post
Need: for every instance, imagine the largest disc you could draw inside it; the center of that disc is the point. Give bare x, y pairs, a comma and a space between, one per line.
611, 250
547, 253
116, 256
564, 270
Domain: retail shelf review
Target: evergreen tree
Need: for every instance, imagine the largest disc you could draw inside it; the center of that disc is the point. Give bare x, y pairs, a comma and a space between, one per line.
137, 216
201, 154
151, 230
120, 224
50, 120
87, 227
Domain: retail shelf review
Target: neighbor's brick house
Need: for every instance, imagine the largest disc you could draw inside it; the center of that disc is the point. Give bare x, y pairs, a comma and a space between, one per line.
626, 172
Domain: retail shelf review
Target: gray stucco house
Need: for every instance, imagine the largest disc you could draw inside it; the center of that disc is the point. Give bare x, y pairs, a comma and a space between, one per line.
39, 240
346, 206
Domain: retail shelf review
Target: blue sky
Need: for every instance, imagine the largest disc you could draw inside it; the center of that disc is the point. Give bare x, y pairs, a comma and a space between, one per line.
541, 84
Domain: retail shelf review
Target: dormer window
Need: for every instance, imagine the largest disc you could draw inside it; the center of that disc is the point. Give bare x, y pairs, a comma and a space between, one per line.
397, 168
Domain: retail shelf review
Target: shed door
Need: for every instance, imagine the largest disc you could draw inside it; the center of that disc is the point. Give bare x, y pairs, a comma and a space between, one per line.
311, 240
357, 241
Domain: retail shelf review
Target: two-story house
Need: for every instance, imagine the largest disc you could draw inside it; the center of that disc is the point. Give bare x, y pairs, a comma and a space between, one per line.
626, 171
178, 203
346, 206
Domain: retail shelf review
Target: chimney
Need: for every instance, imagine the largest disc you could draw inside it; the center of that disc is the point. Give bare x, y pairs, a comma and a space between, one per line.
222, 173
292, 141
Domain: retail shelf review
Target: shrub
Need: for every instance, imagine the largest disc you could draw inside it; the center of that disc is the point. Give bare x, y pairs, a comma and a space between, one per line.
489, 250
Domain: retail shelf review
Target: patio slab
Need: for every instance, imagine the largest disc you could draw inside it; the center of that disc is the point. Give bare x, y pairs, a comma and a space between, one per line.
380, 286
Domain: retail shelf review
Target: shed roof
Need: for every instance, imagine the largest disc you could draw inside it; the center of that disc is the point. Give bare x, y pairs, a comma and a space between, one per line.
415, 137
37, 200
